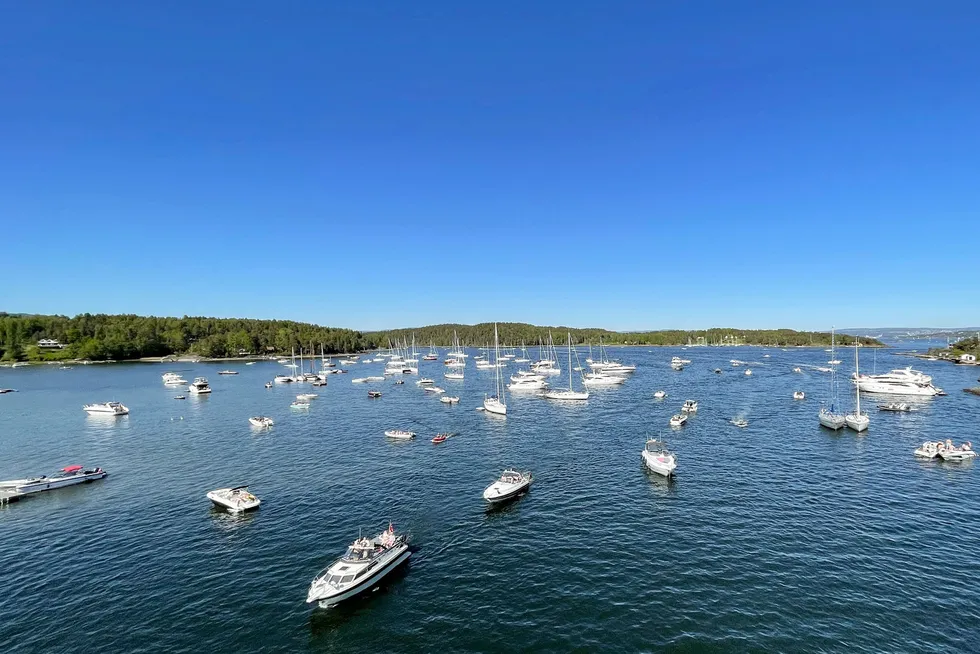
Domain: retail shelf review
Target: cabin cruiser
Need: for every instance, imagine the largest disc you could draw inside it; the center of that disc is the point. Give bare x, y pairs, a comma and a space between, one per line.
365, 563
690, 406
493, 404
67, 476
902, 381
107, 408
510, 484
658, 458
527, 384
799, 395
831, 419
399, 434
236, 500
283, 379
261, 421
895, 406
173, 379
602, 379
740, 422
952, 453
227, 372
678, 420
660, 395
449, 399
199, 386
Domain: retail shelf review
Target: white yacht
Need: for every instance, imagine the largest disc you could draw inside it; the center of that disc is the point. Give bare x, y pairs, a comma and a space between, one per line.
453, 374
399, 434
106, 408
495, 403
602, 379
690, 406
424, 380
857, 421
261, 421
306, 397
449, 399
283, 379
902, 381
527, 384
300, 404
67, 476
236, 500
678, 420
510, 484
365, 563
199, 386
658, 458
173, 379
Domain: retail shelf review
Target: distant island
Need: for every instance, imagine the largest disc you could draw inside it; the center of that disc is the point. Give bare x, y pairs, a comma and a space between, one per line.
99, 337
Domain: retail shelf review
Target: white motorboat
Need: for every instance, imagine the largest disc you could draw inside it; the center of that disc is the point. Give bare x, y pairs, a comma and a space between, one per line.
903, 381
748, 372
106, 408
300, 404
857, 421
236, 500
799, 395
425, 380
602, 379
199, 386
510, 484
740, 422
797, 369
434, 389
895, 406
929, 449
227, 372
67, 476
660, 395
283, 379
952, 453
261, 421
678, 420
658, 458
365, 563
690, 406
360, 380
306, 397
173, 379
400, 434
449, 399
677, 366
528, 384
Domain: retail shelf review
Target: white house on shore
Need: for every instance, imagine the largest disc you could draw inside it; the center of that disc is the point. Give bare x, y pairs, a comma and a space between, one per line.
49, 344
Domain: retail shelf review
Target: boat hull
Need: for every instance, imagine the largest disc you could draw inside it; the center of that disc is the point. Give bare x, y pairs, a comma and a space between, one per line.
366, 584
832, 422
495, 495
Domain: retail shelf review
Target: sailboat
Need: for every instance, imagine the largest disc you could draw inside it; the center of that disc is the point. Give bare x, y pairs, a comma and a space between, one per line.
523, 358
571, 393
456, 363
857, 421
432, 355
829, 416
495, 403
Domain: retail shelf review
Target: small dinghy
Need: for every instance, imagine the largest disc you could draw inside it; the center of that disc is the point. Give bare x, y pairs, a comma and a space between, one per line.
400, 434
261, 421
442, 438
236, 500
399, 382
446, 399
180, 397
268, 384
510, 484
374, 394
659, 395
799, 395
717, 371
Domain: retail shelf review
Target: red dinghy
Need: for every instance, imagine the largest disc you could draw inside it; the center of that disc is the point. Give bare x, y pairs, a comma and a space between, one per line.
440, 438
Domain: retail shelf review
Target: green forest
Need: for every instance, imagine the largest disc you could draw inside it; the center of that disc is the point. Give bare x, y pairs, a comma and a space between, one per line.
99, 337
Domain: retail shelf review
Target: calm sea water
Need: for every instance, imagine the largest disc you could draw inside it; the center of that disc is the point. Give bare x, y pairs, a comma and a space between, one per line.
781, 536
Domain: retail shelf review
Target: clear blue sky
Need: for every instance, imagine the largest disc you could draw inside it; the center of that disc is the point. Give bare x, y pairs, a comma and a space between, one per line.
616, 164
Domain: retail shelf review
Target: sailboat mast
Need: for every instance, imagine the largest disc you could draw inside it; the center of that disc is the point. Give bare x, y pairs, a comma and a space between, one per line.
857, 375
569, 362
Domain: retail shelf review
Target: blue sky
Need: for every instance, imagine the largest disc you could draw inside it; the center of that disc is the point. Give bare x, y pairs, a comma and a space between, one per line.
629, 165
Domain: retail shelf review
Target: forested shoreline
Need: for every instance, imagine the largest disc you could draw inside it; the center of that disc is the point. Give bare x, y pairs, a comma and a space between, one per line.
98, 337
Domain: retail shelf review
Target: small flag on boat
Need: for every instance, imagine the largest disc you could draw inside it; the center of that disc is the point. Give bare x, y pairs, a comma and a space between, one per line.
391, 528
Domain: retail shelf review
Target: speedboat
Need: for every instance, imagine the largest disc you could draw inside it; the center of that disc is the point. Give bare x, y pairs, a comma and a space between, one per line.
236, 500
67, 476
831, 420
400, 434
441, 438
895, 406
660, 395
748, 372
425, 380
740, 422
300, 404
359, 380
261, 421
179, 397
602, 379
676, 366
799, 395
107, 408
399, 382
690, 406
449, 399
510, 484
307, 396
434, 389
952, 453
374, 394
227, 372
717, 371
527, 384
658, 458
199, 386
365, 563
678, 420
268, 384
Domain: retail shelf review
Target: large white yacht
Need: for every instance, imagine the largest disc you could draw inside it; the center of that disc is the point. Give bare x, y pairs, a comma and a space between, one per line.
602, 378
199, 386
173, 379
67, 476
106, 408
365, 563
902, 381
658, 458
510, 484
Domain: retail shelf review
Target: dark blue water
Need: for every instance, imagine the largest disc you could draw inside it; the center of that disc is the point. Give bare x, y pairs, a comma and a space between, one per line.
780, 537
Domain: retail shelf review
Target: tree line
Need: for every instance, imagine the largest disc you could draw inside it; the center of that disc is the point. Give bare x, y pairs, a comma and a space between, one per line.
100, 336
